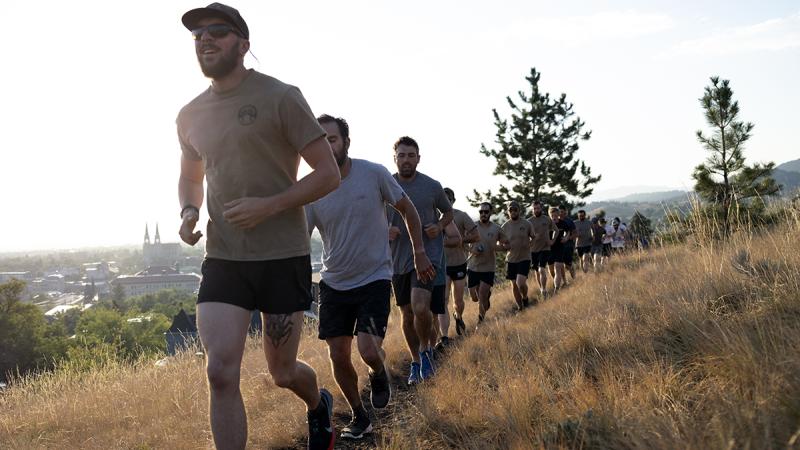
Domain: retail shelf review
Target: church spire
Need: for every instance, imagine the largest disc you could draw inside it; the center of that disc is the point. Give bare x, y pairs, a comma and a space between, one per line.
147, 234
158, 236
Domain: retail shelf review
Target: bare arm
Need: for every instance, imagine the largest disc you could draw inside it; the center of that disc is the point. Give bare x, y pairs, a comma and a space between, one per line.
472, 235
248, 212
422, 264
452, 238
190, 192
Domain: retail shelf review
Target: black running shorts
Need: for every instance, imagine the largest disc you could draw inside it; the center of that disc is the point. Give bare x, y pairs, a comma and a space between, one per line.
475, 278
280, 286
403, 283
364, 309
568, 254
540, 259
584, 250
438, 301
457, 272
518, 268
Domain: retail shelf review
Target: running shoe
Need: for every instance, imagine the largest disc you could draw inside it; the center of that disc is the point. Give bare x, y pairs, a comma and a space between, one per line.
357, 427
426, 365
414, 376
380, 391
321, 434
461, 327
526, 302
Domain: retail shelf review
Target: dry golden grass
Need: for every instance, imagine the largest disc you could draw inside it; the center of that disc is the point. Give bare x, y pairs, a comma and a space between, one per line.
694, 346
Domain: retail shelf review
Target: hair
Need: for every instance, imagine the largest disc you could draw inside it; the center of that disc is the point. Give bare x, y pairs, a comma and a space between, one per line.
562, 207
553, 208
344, 128
581, 211
487, 204
405, 140
537, 202
449, 193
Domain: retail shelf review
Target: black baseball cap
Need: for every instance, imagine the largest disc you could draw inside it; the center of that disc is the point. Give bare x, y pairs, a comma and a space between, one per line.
219, 11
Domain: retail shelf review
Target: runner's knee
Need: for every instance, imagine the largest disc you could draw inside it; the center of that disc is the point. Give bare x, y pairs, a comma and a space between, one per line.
283, 377
222, 376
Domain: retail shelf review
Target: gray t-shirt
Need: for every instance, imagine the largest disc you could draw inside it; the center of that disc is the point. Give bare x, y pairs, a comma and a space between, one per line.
431, 201
352, 223
584, 230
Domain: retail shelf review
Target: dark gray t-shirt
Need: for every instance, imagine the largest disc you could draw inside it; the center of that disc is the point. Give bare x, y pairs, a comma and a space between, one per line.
584, 230
353, 226
431, 201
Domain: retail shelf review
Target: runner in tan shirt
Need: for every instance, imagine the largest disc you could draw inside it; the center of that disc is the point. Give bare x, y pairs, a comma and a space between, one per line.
543, 230
481, 266
457, 265
520, 236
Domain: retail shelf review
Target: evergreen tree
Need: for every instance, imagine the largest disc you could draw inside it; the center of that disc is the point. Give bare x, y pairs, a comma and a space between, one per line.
725, 178
536, 152
640, 227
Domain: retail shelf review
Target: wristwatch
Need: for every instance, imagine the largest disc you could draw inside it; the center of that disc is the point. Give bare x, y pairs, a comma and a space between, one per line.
190, 207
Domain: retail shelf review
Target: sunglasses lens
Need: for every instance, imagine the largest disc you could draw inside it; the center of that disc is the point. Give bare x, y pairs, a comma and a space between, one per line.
219, 31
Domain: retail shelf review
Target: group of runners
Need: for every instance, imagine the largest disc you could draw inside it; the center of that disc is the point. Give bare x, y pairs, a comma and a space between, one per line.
382, 233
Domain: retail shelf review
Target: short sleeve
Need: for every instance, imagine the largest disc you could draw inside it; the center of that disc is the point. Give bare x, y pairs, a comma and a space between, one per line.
311, 218
298, 124
186, 148
391, 192
442, 202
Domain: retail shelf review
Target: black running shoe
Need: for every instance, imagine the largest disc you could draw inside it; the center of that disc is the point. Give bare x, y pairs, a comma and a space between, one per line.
321, 434
357, 428
461, 327
380, 391
526, 302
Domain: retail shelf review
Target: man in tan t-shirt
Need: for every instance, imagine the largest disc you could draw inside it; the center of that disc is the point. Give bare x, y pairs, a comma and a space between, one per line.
544, 231
245, 136
481, 266
520, 236
457, 264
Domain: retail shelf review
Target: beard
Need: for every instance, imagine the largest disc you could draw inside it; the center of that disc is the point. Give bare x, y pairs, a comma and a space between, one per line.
407, 171
225, 65
340, 158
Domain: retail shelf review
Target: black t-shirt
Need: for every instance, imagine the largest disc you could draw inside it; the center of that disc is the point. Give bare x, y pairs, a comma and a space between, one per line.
563, 231
598, 231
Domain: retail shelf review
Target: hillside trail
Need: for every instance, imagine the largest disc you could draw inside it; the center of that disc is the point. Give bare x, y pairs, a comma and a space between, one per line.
402, 404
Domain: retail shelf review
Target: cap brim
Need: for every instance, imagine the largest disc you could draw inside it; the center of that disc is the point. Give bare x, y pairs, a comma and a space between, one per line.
193, 17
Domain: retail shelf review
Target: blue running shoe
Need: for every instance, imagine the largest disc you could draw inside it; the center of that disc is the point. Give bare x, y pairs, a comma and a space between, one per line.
426, 365
414, 377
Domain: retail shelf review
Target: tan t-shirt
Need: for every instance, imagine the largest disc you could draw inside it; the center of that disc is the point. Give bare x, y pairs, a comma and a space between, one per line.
520, 235
249, 139
485, 261
458, 255
543, 228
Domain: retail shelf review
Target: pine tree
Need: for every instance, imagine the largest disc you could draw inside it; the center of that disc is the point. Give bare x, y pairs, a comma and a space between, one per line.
536, 153
725, 178
640, 227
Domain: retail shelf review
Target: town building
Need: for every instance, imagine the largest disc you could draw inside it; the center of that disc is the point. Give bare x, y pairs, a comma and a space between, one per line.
156, 278
158, 253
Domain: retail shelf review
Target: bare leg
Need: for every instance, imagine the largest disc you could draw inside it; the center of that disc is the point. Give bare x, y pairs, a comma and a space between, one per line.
281, 341
522, 286
484, 291
517, 294
339, 349
409, 332
423, 318
223, 331
458, 298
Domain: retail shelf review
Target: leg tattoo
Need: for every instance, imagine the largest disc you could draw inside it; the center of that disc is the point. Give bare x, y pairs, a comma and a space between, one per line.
278, 328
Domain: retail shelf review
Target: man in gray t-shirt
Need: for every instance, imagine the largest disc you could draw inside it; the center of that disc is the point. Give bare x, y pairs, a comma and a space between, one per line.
357, 268
413, 293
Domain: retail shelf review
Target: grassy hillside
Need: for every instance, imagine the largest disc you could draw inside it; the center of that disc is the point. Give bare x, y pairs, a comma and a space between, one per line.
693, 346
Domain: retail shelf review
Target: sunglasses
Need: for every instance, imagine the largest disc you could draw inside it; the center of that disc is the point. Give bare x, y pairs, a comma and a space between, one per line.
483, 212
217, 31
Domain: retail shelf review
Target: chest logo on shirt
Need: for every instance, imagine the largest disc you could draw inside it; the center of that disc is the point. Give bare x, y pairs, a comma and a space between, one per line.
247, 115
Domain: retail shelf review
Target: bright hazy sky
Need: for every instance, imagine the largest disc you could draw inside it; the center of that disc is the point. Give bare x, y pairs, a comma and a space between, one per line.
92, 89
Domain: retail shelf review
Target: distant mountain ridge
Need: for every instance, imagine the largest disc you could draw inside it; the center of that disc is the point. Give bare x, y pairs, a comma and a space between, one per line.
790, 166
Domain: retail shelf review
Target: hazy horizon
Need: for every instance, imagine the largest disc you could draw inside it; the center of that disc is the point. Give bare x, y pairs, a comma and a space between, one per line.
90, 149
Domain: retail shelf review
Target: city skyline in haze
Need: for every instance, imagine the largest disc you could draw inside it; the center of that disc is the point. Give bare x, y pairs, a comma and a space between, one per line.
90, 150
